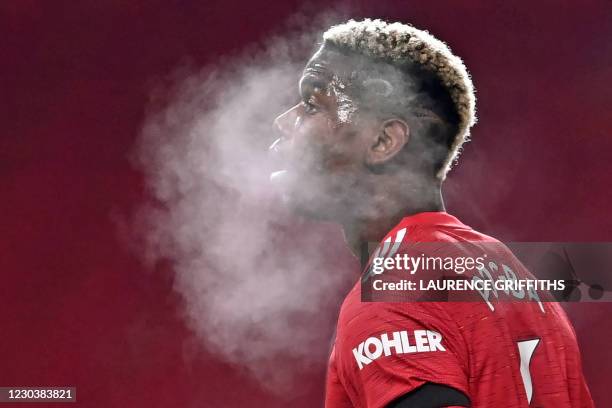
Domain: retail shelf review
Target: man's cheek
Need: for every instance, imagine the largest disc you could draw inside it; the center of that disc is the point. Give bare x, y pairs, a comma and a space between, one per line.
311, 156
308, 134
339, 156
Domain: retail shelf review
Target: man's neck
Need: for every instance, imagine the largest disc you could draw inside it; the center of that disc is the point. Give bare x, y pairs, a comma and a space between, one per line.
387, 213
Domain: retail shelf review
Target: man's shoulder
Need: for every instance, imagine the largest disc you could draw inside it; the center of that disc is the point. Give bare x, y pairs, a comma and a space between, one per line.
357, 316
434, 227
446, 233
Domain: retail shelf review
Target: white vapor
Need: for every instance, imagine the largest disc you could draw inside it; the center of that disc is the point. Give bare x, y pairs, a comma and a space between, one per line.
259, 287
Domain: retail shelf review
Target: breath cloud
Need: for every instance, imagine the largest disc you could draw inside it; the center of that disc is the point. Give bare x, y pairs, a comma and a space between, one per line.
259, 287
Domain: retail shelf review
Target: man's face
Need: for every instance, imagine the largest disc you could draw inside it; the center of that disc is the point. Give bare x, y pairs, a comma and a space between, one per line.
320, 149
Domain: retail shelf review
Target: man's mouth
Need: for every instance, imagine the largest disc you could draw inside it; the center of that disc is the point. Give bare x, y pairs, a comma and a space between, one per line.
281, 173
277, 175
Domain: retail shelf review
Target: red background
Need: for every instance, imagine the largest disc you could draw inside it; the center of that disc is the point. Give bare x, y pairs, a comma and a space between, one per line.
79, 309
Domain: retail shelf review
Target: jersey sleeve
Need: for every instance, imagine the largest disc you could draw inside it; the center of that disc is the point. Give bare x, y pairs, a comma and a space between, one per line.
390, 349
335, 394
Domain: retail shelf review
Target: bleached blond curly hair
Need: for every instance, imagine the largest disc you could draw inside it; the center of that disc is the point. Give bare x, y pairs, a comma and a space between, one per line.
401, 42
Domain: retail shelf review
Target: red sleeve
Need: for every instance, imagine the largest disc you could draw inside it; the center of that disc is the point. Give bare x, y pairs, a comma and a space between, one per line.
335, 394
390, 349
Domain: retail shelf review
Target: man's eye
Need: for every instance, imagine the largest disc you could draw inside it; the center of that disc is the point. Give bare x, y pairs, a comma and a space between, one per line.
309, 108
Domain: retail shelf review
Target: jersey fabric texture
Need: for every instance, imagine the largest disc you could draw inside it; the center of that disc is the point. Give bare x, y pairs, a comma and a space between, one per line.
510, 354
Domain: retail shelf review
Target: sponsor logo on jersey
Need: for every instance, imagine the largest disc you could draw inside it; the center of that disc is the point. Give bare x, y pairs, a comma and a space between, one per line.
399, 342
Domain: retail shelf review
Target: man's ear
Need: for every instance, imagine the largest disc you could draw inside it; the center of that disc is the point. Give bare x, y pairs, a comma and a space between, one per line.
391, 137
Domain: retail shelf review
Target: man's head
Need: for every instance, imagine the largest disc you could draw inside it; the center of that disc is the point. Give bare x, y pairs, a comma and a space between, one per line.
384, 111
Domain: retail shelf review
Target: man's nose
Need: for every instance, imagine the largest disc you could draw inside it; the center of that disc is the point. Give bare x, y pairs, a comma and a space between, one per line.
285, 124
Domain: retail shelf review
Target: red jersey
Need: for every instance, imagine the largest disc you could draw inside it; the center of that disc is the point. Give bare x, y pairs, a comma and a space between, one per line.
506, 354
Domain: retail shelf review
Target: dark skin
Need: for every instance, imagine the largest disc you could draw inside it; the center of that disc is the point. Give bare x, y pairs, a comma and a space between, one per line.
330, 161
343, 164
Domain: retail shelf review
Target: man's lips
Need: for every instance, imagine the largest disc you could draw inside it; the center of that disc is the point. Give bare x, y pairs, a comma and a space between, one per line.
277, 175
279, 163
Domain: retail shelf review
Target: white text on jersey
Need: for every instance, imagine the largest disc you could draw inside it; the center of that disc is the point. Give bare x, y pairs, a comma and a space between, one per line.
399, 342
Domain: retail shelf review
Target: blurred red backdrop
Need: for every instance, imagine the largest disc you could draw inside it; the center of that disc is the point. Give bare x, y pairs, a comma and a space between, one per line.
78, 308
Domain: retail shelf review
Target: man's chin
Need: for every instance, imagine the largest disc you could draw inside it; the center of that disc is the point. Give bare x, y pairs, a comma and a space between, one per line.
307, 209
298, 201
309, 214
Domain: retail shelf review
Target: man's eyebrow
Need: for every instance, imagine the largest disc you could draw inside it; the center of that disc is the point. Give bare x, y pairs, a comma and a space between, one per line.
316, 68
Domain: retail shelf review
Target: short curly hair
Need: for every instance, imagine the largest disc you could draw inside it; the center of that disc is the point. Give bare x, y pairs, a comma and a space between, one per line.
403, 43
